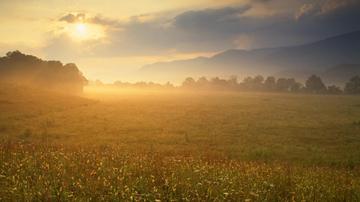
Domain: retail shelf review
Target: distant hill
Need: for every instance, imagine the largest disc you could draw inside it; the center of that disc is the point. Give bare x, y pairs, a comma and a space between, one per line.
29, 70
296, 61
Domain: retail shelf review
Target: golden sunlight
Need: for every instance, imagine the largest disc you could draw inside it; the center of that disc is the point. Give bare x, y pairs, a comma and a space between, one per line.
180, 100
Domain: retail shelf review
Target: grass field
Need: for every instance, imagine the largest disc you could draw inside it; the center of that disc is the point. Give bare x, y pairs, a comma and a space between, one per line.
178, 146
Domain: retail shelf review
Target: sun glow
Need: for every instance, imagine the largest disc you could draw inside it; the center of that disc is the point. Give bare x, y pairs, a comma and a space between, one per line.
83, 32
81, 28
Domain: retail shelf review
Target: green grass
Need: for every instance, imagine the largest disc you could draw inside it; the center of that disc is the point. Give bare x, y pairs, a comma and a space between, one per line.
179, 146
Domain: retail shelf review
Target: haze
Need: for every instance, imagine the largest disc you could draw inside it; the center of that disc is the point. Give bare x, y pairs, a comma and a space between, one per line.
189, 100
113, 40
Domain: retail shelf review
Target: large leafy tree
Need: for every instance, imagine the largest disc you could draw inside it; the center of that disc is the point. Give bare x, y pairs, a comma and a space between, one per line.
20, 68
314, 84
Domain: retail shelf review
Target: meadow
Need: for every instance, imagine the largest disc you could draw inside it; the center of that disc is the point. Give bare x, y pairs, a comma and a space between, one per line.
178, 146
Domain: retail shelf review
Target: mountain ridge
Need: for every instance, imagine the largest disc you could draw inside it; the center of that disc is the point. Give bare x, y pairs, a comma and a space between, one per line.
315, 57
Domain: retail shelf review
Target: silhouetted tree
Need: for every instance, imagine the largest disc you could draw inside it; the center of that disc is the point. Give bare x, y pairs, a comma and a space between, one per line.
334, 90
233, 82
294, 86
353, 86
282, 84
258, 82
189, 83
24, 69
169, 85
288, 85
218, 83
270, 83
314, 84
247, 83
250, 83
258, 79
202, 82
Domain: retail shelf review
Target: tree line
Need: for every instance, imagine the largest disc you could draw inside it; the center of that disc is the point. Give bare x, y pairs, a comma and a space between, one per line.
313, 84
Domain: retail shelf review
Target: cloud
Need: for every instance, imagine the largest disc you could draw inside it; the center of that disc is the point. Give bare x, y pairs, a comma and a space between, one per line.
196, 30
304, 10
85, 18
209, 18
218, 29
324, 7
332, 5
73, 18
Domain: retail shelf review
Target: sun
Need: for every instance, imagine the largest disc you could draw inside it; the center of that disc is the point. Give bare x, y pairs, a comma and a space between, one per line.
83, 31
81, 28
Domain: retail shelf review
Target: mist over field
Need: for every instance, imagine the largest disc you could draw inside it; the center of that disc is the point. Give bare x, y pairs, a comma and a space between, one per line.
237, 100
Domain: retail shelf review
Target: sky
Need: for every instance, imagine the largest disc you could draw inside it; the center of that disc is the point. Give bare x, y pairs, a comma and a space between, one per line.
110, 40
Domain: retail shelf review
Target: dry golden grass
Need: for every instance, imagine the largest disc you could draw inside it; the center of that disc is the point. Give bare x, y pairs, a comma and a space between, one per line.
177, 146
